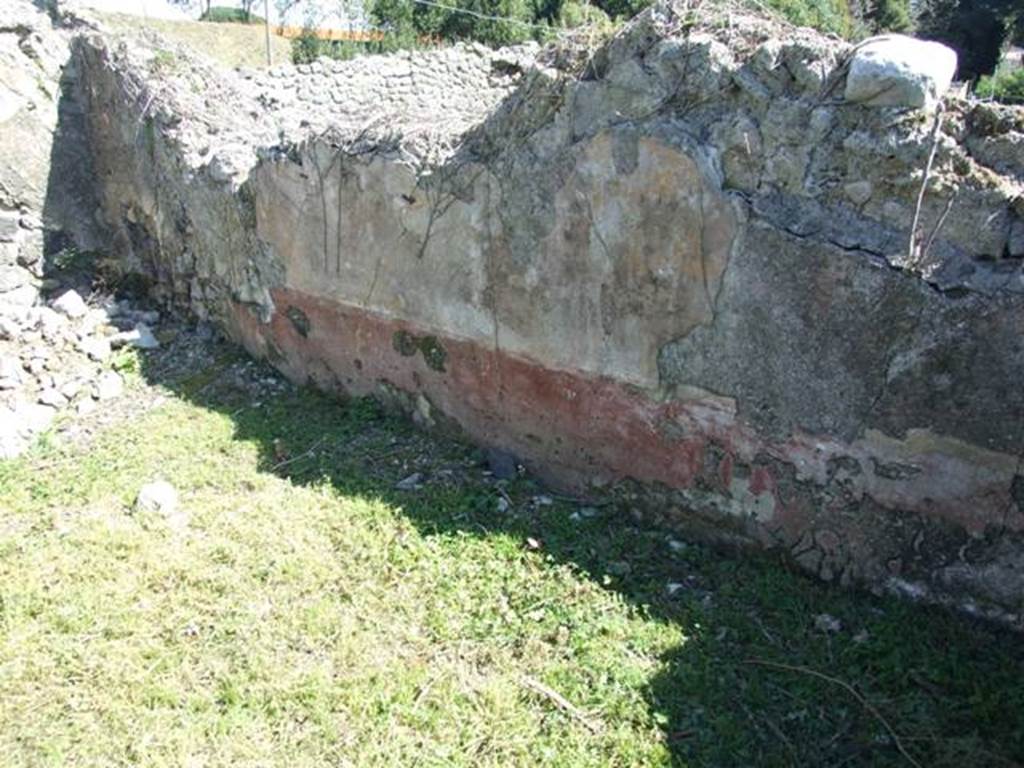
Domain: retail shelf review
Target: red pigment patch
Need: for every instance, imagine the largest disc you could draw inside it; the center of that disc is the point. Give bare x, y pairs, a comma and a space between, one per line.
571, 427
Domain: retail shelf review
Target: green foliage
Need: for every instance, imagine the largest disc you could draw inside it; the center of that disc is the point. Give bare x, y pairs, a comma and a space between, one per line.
575, 14
163, 61
826, 15
492, 22
308, 47
1005, 86
126, 361
622, 9
890, 16
224, 15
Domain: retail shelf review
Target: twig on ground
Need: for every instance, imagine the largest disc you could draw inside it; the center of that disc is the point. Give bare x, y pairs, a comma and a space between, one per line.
308, 453
850, 690
561, 702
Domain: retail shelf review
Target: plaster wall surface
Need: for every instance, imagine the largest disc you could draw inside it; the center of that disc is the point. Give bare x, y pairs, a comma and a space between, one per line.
681, 266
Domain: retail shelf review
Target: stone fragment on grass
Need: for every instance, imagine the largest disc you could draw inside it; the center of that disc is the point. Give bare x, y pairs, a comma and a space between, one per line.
25, 420
410, 483
158, 496
144, 338
159, 499
827, 623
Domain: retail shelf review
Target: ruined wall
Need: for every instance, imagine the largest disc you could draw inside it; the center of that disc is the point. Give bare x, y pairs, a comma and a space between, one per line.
679, 266
46, 187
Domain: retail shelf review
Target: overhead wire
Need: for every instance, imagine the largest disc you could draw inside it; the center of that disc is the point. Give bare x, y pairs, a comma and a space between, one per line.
477, 14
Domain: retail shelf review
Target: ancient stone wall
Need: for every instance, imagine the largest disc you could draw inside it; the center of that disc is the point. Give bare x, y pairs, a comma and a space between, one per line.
46, 185
678, 267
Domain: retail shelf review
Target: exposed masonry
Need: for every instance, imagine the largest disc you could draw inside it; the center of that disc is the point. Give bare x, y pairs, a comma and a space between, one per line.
676, 268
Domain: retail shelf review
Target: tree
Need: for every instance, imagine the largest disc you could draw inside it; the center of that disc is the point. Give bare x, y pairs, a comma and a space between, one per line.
247, 9
493, 22
890, 16
826, 15
976, 29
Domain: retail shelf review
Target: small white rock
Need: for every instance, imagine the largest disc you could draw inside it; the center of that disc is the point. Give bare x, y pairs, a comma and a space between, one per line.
50, 321
86, 407
93, 319
31, 418
11, 442
859, 192
109, 386
10, 370
96, 348
71, 388
410, 483
159, 496
826, 622
119, 340
9, 327
50, 396
144, 337
70, 304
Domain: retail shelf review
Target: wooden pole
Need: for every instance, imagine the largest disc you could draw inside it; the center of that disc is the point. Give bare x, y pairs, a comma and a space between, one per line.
266, 30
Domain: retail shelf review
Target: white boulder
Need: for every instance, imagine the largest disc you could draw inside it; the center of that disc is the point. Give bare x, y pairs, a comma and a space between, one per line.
899, 71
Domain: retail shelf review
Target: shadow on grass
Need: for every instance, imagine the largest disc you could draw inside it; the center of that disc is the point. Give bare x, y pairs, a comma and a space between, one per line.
761, 679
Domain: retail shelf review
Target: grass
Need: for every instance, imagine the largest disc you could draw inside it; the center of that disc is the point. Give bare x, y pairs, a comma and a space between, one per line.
232, 45
311, 614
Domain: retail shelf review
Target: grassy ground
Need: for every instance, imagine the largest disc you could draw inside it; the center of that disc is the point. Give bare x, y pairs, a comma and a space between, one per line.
233, 45
308, 613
